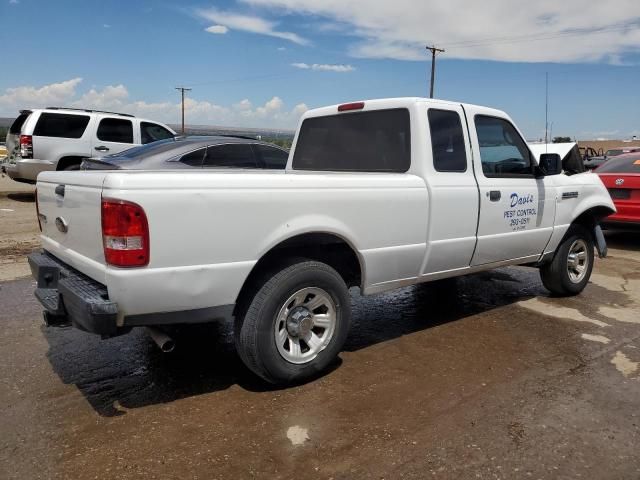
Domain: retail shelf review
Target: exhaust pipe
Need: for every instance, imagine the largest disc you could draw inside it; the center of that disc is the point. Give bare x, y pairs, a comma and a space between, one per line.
164, 341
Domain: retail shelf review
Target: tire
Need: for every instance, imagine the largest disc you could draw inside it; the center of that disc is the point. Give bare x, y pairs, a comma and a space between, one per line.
563, 276
296, 301
72, 167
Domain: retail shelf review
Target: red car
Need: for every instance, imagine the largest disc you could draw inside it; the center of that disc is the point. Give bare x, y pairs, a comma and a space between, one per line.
621, 176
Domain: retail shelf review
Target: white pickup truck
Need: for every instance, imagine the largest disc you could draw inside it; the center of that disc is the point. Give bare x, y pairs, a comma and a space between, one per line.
377, 194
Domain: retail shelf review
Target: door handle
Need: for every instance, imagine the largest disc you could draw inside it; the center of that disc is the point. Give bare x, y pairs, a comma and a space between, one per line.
102, 148
495, 195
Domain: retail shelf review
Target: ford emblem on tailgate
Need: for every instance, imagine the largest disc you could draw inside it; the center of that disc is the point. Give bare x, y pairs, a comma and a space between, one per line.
620, 181
62, 224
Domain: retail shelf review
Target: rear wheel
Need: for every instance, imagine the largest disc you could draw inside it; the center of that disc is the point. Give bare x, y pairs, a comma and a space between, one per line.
569, 271
74, 166
295, 324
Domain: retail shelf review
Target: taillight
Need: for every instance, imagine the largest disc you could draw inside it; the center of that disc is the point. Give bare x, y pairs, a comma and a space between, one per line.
26, 146
38, 210
125, 233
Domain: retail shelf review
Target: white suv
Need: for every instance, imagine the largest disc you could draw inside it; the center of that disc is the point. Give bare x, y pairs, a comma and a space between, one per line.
59, 138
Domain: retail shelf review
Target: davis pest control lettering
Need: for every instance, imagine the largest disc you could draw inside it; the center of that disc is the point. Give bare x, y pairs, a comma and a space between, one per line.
521, 211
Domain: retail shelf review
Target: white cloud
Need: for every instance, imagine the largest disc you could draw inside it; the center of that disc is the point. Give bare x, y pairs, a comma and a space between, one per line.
273, 113
106, 25
548, 30
14, 2
323, 67
243, 105
47, 95
247, 23
217, 29
108, 97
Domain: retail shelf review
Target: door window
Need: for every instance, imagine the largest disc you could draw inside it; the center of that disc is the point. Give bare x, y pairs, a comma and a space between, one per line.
194, 159
115, 130
272, 157
152, 132
230, 155
503, 152
447, 141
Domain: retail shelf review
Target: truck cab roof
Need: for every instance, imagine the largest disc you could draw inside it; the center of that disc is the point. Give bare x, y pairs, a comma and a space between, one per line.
398, 102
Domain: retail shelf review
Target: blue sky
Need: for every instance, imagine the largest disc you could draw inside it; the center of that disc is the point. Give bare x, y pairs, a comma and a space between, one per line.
263, 62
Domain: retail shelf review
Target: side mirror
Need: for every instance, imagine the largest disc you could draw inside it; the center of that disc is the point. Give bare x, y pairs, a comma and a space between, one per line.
550, 164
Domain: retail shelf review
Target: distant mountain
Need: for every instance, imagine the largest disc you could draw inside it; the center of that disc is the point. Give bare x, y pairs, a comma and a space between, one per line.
249, 132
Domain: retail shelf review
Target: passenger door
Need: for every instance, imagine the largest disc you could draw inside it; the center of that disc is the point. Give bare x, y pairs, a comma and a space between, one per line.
453, 191
113, 135
517, 210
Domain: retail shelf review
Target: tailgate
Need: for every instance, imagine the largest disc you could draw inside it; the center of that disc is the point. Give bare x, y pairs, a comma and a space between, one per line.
70, 215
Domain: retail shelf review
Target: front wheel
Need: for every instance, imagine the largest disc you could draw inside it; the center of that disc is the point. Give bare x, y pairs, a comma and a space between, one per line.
569, 271
295, 324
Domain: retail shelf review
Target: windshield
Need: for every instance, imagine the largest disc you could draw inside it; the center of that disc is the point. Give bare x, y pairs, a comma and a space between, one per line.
613, 153
628, 164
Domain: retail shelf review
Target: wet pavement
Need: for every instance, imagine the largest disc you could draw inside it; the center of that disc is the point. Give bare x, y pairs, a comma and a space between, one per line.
484, 376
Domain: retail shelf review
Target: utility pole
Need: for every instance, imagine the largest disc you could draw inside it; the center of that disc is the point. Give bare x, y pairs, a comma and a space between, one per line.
546, 109
434, 51
182, 90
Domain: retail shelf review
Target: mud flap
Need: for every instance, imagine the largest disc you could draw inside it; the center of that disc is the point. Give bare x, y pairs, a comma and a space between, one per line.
601, 244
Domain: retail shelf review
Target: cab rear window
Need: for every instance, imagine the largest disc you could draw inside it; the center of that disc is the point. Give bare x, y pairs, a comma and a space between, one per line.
61, 125
375, 141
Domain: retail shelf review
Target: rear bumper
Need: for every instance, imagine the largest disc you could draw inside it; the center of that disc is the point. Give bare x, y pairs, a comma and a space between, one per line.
73, 297
26, 170
624, 224
69, 296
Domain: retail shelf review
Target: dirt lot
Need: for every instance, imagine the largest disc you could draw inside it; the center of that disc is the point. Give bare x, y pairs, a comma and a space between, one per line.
605, 145
18, 227
480, 377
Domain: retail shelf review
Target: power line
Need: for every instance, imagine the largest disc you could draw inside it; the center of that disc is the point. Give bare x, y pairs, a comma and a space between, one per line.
434, 51
182, 90
541, 36
245, 79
